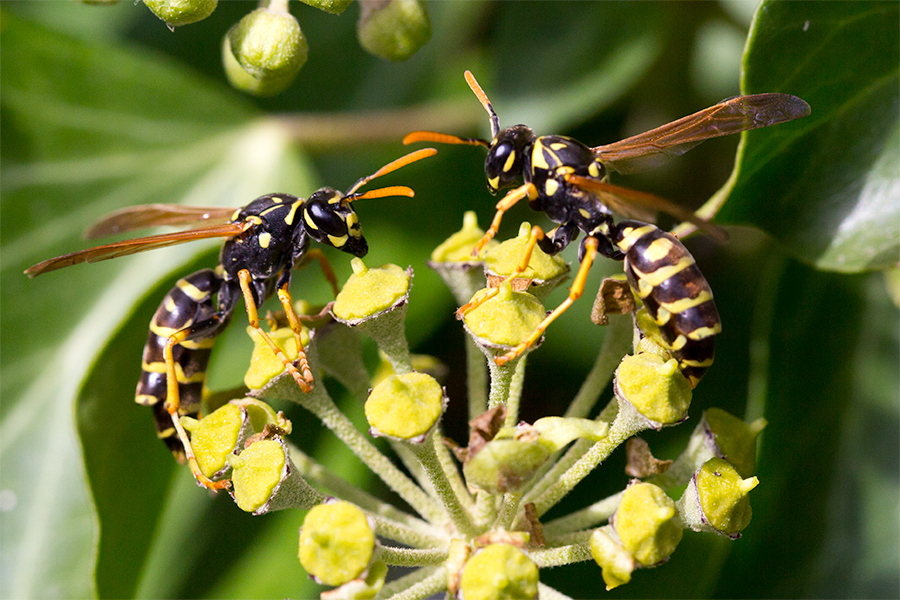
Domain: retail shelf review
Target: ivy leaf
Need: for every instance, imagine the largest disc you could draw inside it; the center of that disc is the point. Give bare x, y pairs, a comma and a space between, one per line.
825, 186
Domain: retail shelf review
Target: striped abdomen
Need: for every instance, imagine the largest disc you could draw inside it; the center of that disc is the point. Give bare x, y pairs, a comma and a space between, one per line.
188, 303
664, 275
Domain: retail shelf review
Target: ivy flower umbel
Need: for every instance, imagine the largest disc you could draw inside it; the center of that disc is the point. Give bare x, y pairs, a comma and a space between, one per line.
476, 526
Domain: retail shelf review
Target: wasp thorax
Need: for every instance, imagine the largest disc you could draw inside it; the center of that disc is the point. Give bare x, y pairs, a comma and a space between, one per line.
506, 156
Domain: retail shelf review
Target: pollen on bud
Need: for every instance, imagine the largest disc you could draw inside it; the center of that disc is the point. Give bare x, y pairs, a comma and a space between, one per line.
393, 29
264, 51
499, 572
655, 386
256, 473
504, 259
405, 406
616, 562
735, 438
370, 292
507, 319
181, 12
647, 523
336, 542
264, 365
722, 496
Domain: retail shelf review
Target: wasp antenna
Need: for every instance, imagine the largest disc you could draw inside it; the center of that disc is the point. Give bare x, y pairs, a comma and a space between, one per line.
393, 166
442, 138
393, 190
482, 97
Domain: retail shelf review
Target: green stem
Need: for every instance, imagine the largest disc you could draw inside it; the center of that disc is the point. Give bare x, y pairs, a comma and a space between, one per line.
515, 393
323, 407
616, 344
427, 455
508, 511
563, 555
587, 517
501, 380
476, 373
418, 585
411, 557
448, 464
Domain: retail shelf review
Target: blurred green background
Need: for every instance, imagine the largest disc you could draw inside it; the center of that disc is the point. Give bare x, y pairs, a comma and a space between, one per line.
104, 107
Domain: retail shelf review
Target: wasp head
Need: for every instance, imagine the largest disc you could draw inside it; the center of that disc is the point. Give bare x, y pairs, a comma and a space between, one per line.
506, 156
330, 219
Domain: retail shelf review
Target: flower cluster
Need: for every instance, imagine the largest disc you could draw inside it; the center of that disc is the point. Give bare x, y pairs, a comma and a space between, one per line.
265, 50
478, 530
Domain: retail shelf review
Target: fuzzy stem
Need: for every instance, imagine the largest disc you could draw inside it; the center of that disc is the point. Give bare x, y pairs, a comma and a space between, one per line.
429, 460
501, 380
418, 585
622, 429
615, 345
515, 393
411, 557
508, 510
563, 555
323, 407
587, 517
448, 464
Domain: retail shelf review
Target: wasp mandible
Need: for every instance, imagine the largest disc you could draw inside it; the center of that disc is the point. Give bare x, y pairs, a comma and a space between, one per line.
569, 182
265, 240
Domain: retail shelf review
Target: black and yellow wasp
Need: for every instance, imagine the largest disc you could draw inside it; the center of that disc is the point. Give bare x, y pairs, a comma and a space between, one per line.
568, 181
265, 240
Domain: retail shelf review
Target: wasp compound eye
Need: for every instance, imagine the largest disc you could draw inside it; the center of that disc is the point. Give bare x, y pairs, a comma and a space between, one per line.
326, 217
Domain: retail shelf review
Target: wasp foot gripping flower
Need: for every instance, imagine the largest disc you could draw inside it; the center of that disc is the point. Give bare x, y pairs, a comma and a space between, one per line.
375, 300
393, 29
181, 12
716, 499
542, 274
405, 406
264, 365
652, 383
499, 572
264, 479
337, 542
263, 53
224, 432
504, 321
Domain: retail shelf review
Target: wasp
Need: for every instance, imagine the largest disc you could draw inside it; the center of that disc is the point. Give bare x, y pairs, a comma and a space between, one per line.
265, 240
569, 182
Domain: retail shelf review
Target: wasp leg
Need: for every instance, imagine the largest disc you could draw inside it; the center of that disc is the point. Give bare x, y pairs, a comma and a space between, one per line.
523, 191
575, 292
284, 296
173, 400
304, 380
537, 234
327, 271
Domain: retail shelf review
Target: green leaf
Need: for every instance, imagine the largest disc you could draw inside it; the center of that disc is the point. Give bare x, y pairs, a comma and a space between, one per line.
825, 186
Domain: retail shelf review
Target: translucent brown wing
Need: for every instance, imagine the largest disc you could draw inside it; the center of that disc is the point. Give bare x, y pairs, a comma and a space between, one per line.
635, 204
655, 147
153, 215
126, 247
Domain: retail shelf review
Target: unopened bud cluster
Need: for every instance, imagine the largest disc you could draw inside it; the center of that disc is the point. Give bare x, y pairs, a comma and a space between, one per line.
479, 529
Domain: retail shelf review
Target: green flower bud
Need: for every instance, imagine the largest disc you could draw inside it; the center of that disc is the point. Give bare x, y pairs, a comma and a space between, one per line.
507, 319
647, 523
499, 572
370, 292
506, 463
264, 365
453, 260
405, 406
716, 499
393, 29
543, 274
558, 432
181, 12
264, 51
334, 7
362, 588
617, 562
655, 387
336, 542
736, 440
264, 479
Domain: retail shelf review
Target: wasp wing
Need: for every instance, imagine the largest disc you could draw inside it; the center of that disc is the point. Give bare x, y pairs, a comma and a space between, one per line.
636, 204
126, 247
152, 215
742, 113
